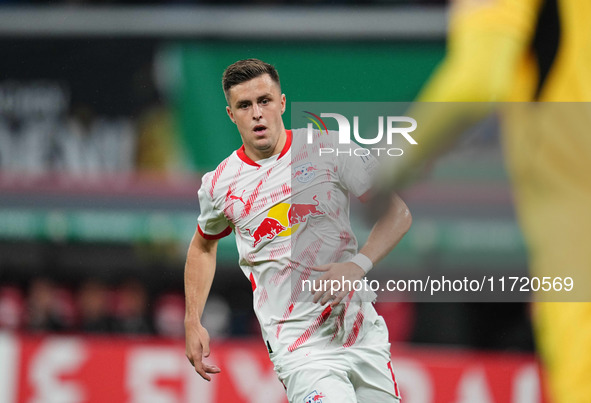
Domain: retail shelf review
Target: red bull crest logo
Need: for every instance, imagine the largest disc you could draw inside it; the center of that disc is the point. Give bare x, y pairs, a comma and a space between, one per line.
314, 397
284, 219
304, 173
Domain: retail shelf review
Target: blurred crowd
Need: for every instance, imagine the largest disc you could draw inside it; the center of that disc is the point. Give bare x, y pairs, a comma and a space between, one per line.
95, 307
128, 308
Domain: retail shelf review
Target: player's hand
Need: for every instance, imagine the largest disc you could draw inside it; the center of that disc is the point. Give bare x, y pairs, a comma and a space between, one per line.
197, 348
335, 274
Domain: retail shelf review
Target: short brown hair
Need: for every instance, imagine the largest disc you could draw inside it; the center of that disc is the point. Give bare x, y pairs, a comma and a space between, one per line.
245, 70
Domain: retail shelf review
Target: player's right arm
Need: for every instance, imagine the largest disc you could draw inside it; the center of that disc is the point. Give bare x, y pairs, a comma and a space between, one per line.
199, 273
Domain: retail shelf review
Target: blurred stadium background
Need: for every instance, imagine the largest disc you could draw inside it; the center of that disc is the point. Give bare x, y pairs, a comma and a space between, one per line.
111, 111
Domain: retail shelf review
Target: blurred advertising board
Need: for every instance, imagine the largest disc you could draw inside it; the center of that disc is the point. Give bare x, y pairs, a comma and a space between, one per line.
79, 369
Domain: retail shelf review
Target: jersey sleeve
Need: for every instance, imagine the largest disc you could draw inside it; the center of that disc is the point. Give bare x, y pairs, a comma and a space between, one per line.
356, 172
212, 223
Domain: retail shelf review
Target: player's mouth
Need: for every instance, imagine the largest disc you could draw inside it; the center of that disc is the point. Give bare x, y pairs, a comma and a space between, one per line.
260, 129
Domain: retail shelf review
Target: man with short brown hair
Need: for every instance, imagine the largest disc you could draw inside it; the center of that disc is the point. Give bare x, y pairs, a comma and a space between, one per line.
290, 214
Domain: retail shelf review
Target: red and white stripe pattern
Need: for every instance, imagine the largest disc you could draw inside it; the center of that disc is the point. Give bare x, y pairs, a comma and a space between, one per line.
352, 338
310, 331
278, 256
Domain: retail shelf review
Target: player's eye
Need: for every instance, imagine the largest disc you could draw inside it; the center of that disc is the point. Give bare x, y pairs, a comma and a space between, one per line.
265, 101
243, 106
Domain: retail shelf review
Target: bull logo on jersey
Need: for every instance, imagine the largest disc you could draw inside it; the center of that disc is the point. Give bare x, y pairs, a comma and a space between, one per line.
269, 228
304, 173
284, 219
299, 212
314, 397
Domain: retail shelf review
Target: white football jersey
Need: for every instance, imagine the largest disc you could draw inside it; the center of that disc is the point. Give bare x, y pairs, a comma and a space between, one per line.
290, 212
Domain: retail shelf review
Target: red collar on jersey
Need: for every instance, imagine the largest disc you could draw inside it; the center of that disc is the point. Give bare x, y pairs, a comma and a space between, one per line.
242, 154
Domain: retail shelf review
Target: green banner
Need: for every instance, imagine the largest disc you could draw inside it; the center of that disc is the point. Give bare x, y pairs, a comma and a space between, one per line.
309, 71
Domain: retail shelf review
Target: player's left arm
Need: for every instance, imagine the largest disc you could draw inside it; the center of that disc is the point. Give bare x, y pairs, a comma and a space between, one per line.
388, 230
384, 236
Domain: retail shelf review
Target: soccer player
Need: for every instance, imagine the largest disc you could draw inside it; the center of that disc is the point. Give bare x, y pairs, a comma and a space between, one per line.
529, 50
289, 210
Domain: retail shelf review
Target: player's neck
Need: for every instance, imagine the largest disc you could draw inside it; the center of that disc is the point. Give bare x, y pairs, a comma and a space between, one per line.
257, 155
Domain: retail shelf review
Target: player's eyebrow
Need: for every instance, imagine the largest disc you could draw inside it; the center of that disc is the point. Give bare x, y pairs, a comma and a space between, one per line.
267, 95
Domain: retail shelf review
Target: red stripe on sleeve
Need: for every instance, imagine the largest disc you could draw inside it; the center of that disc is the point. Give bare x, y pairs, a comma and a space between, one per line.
222, 234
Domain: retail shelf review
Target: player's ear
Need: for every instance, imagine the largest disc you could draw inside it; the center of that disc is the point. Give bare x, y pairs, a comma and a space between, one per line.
230, 114
283, 103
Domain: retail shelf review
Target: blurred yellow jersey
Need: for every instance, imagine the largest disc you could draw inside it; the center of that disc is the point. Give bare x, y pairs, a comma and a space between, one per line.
537, 50
523, 50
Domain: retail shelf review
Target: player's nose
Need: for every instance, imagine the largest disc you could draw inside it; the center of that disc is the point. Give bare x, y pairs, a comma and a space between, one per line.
256, 112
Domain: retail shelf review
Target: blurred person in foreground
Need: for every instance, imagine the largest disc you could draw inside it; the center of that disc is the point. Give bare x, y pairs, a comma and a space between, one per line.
324, 343
527, 50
